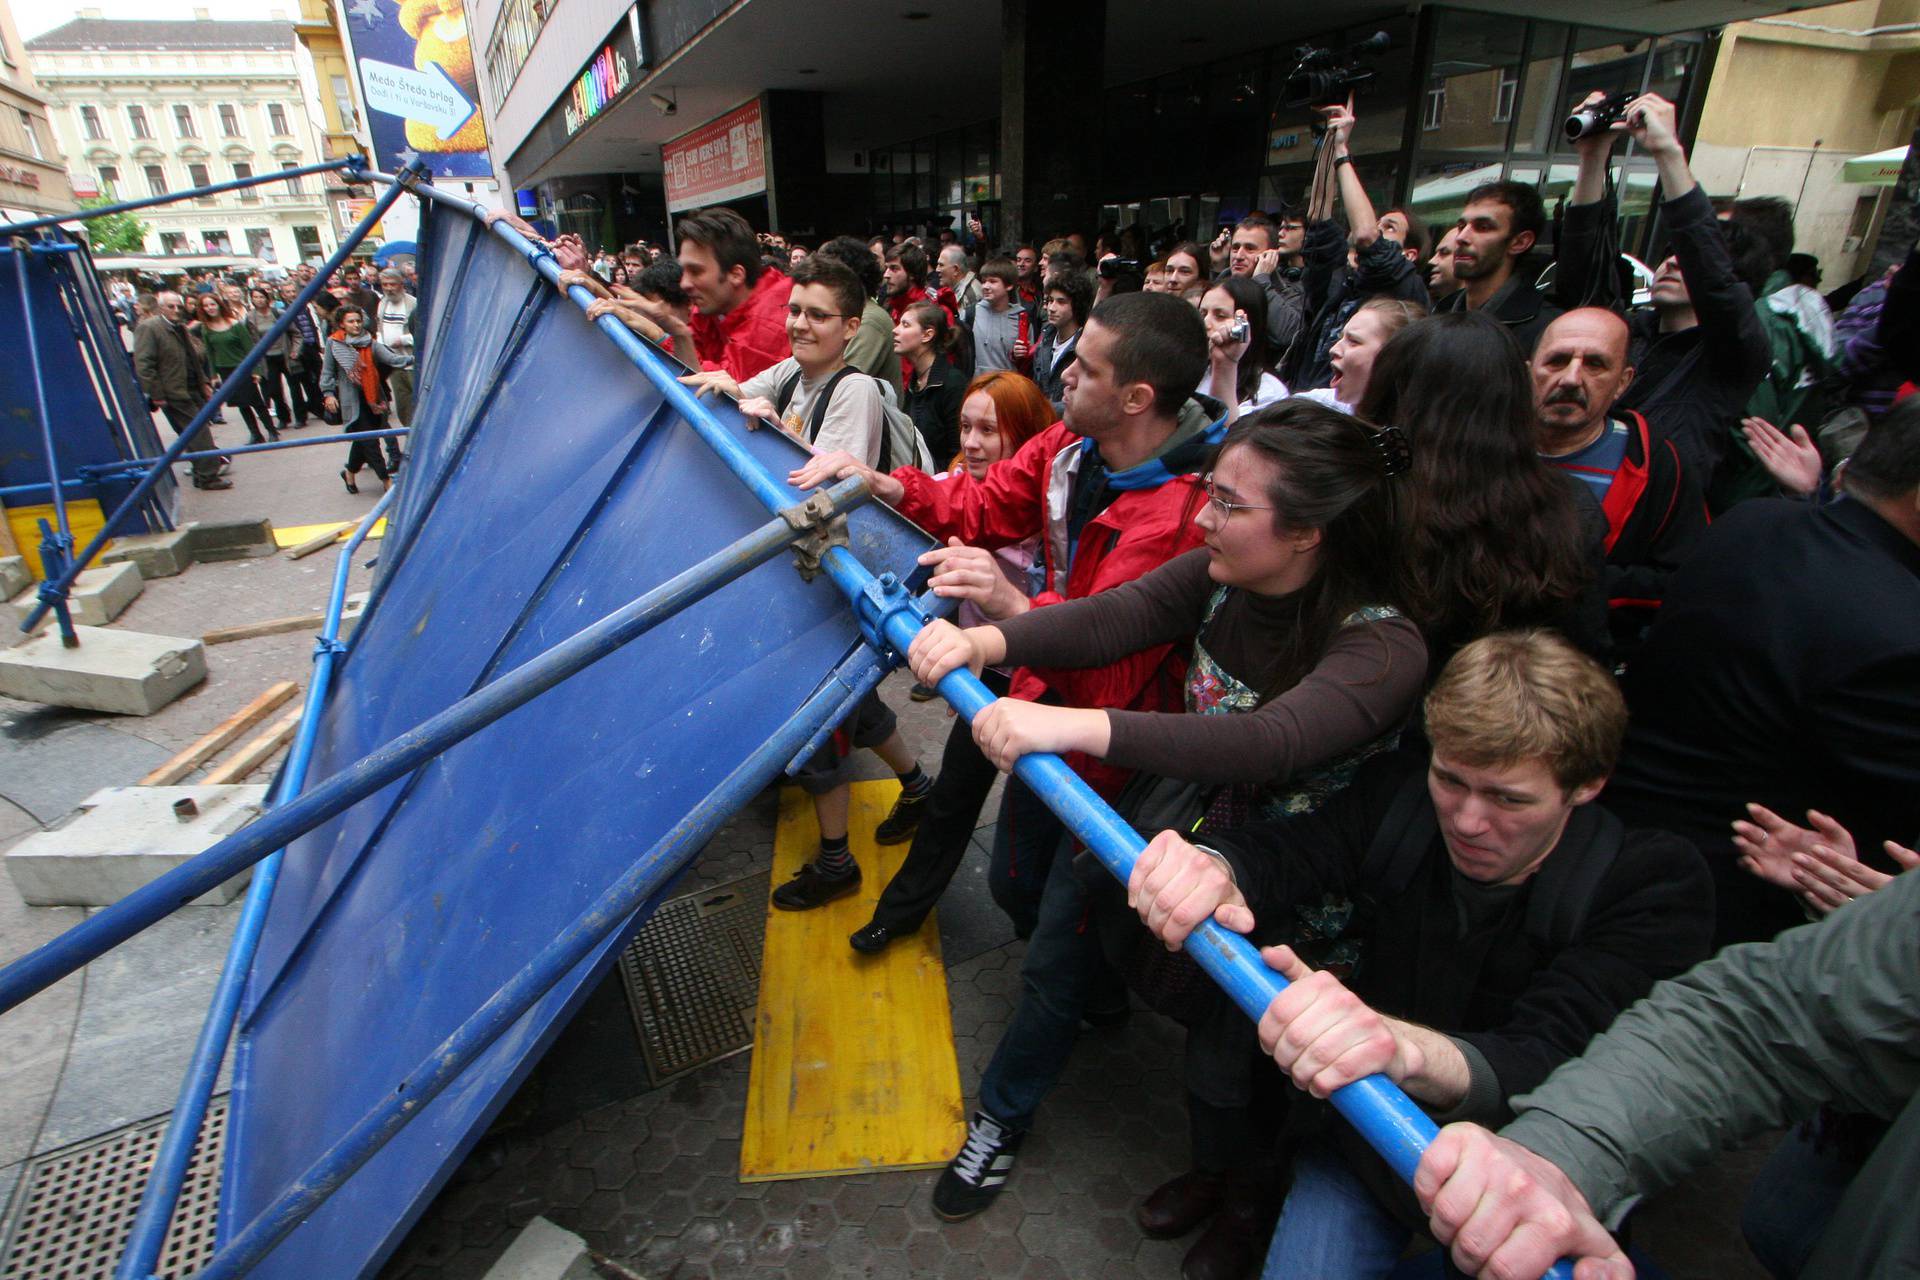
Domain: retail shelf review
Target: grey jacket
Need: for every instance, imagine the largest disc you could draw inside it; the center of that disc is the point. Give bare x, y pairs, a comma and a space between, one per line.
1758, 1037
337, 364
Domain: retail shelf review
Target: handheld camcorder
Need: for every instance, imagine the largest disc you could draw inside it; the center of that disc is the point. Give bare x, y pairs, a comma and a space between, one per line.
1598, 117
1323, 78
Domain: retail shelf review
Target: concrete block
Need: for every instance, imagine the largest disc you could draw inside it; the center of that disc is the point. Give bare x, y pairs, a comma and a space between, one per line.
543, 1251
98, 597
125, 672
15, 577
213, 540
121, 838
155, 555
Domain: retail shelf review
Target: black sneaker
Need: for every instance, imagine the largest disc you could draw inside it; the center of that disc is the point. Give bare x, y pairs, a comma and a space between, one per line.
902, 820
923, 693
974, 1177
812, 887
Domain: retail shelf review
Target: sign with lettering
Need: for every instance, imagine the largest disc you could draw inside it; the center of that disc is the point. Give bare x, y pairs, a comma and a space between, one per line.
723, 159
613, 71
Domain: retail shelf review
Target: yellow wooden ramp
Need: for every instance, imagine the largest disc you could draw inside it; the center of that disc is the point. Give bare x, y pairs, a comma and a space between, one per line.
853, 1062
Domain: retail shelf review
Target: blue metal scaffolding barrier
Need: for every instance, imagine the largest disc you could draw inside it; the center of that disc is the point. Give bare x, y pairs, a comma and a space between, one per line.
525, 667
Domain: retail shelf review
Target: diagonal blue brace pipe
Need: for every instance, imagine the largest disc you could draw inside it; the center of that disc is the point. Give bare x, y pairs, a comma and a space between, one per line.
132, 501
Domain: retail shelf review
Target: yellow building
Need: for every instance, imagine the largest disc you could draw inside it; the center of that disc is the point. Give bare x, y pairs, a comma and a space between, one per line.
1794, 98
336, 99
33, 175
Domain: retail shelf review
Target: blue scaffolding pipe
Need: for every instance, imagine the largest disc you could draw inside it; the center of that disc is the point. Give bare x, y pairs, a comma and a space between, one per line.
162, 1194
52, 588
40, 486
158, 899
112, 470
57, 543
352, 164
1376, 1107
649, 875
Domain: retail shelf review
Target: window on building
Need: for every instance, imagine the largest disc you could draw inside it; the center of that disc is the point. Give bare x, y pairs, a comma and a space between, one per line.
33, 136
156, 180
90, 124
183, 121
198, 176
1504, 95
7, 63
229, 120
292, 186
277, 119
1436, 112
217, 241
172, 242
343, 101
248, 195
109, 179
307, 240
137, 122
260, 243
514, 32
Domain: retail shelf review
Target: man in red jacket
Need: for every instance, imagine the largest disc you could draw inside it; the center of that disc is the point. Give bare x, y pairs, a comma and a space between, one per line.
739, 323
1111, 491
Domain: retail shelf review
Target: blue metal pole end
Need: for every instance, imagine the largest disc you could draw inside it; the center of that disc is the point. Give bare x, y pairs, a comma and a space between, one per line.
55, 551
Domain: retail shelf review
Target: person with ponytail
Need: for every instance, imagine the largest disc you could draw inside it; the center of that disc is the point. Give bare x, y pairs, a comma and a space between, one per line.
924, 338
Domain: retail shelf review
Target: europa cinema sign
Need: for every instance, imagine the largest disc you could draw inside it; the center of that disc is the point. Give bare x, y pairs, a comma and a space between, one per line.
610, 74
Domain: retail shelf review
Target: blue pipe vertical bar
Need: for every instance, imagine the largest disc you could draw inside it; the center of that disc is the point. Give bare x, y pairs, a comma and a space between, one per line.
110, 926
245, 370
141, 1258
648, 875
56, 543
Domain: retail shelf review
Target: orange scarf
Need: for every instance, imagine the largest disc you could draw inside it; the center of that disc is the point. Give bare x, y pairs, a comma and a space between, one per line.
365, 372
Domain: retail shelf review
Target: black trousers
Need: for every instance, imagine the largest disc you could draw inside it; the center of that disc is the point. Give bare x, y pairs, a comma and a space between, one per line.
940, 844
274, 384
306, 388
202, 442
366, 453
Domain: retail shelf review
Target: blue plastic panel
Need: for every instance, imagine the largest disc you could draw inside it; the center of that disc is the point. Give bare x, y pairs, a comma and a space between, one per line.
537, 506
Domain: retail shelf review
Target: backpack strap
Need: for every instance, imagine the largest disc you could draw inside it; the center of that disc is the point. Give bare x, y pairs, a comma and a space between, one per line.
1402, 840
785, 396
824, 401
1564, 889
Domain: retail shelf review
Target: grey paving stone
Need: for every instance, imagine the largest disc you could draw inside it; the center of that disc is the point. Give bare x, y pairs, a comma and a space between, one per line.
52, 759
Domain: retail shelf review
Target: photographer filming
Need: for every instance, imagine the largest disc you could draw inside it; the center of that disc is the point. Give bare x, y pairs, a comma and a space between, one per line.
1382, 262
1700, 351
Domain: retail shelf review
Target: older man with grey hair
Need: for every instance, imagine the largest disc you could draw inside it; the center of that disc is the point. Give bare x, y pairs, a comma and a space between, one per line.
393, 320
172, 373
956, 273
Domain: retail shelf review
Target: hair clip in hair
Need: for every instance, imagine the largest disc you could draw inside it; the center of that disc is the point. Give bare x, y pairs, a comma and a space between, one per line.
1390, 447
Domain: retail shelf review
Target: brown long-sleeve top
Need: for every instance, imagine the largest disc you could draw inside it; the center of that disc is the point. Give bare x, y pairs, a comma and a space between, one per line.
1364, 684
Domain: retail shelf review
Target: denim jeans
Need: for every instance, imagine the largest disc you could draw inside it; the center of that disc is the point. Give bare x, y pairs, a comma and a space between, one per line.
1063, 966
1792, 1200
1025, 844
1331, 1227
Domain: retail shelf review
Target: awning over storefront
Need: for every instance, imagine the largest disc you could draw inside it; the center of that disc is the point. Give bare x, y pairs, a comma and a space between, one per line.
1881, 169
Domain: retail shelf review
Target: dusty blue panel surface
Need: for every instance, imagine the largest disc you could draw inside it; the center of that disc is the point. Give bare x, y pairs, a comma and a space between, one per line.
572, 496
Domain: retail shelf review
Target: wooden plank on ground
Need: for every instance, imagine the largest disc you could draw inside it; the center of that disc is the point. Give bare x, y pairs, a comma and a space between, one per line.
212, 743
267, 627
295, 534
317, 543
256, 753
853, 1058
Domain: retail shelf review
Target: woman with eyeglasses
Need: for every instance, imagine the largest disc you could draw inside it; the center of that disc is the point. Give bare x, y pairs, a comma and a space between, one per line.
1304, 666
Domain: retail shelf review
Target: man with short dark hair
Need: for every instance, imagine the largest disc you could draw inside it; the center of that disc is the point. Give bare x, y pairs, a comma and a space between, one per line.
1253, 253
1499, 227
1654, 509
1442, 284
1069, 300
739, 324
906, 269
1026, 260
1784, 670
1506, 919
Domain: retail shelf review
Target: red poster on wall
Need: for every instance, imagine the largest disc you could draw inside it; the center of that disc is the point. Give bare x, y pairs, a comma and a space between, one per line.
723, 159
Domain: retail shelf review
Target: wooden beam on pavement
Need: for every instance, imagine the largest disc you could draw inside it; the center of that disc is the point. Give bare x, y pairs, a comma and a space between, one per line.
256, 753
212, 743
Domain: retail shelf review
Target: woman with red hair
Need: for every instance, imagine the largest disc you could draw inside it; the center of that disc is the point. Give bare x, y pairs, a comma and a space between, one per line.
1000, 412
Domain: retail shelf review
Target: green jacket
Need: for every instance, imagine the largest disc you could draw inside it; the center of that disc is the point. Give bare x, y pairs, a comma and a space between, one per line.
1754, 1039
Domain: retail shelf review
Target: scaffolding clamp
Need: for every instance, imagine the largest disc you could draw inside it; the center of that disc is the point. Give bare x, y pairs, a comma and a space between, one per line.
820, 530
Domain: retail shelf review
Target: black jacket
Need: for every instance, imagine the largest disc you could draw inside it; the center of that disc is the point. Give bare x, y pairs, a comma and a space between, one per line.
1694, 383
1518, 995
1784, 668
935, 409
1655, 513
1335, 291
1523, 309
1052, 377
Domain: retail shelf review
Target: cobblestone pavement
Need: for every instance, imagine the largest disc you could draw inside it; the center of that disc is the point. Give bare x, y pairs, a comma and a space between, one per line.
650, 1181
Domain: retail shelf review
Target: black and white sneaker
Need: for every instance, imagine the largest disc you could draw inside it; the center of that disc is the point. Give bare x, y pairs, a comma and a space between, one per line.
974, 1177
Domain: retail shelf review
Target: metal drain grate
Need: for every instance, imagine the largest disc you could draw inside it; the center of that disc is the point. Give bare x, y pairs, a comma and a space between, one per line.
75, 1206
693, 976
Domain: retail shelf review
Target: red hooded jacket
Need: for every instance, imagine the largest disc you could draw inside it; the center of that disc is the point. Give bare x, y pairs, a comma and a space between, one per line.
752, 336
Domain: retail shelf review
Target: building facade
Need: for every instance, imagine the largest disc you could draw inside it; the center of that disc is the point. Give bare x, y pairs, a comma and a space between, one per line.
33, 174
1758, 140
335, 102
146, 108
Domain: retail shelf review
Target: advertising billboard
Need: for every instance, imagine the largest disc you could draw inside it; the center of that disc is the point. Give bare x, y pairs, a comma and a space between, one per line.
416, 65
723, 159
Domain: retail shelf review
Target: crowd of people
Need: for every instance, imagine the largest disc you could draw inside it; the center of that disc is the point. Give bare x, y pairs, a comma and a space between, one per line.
1529, 673
346, 359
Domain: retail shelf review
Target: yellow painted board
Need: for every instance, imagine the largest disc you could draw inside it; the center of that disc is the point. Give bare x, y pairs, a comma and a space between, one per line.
84, 518
294, 535
853, 1060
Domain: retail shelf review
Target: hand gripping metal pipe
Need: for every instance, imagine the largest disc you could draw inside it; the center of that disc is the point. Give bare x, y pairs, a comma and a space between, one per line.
132, 501
1376, 1107
157, 1202
113, 925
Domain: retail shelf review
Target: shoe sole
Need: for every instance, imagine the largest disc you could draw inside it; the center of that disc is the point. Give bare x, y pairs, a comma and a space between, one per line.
810, 906
897, 837
944, 1216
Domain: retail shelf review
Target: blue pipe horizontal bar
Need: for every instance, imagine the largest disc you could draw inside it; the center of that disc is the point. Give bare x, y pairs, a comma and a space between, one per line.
41, 486
350, 163
649, 874
133, 500
110, 470
141, 1258
159, 898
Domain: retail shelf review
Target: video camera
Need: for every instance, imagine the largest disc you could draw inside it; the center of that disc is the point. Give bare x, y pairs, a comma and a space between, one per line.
1599, 116
1322, 78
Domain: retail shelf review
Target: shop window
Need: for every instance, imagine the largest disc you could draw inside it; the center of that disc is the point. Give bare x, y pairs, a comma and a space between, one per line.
217, 241
174, 242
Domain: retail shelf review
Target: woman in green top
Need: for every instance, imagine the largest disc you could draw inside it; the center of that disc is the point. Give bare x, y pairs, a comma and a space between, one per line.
227, 339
